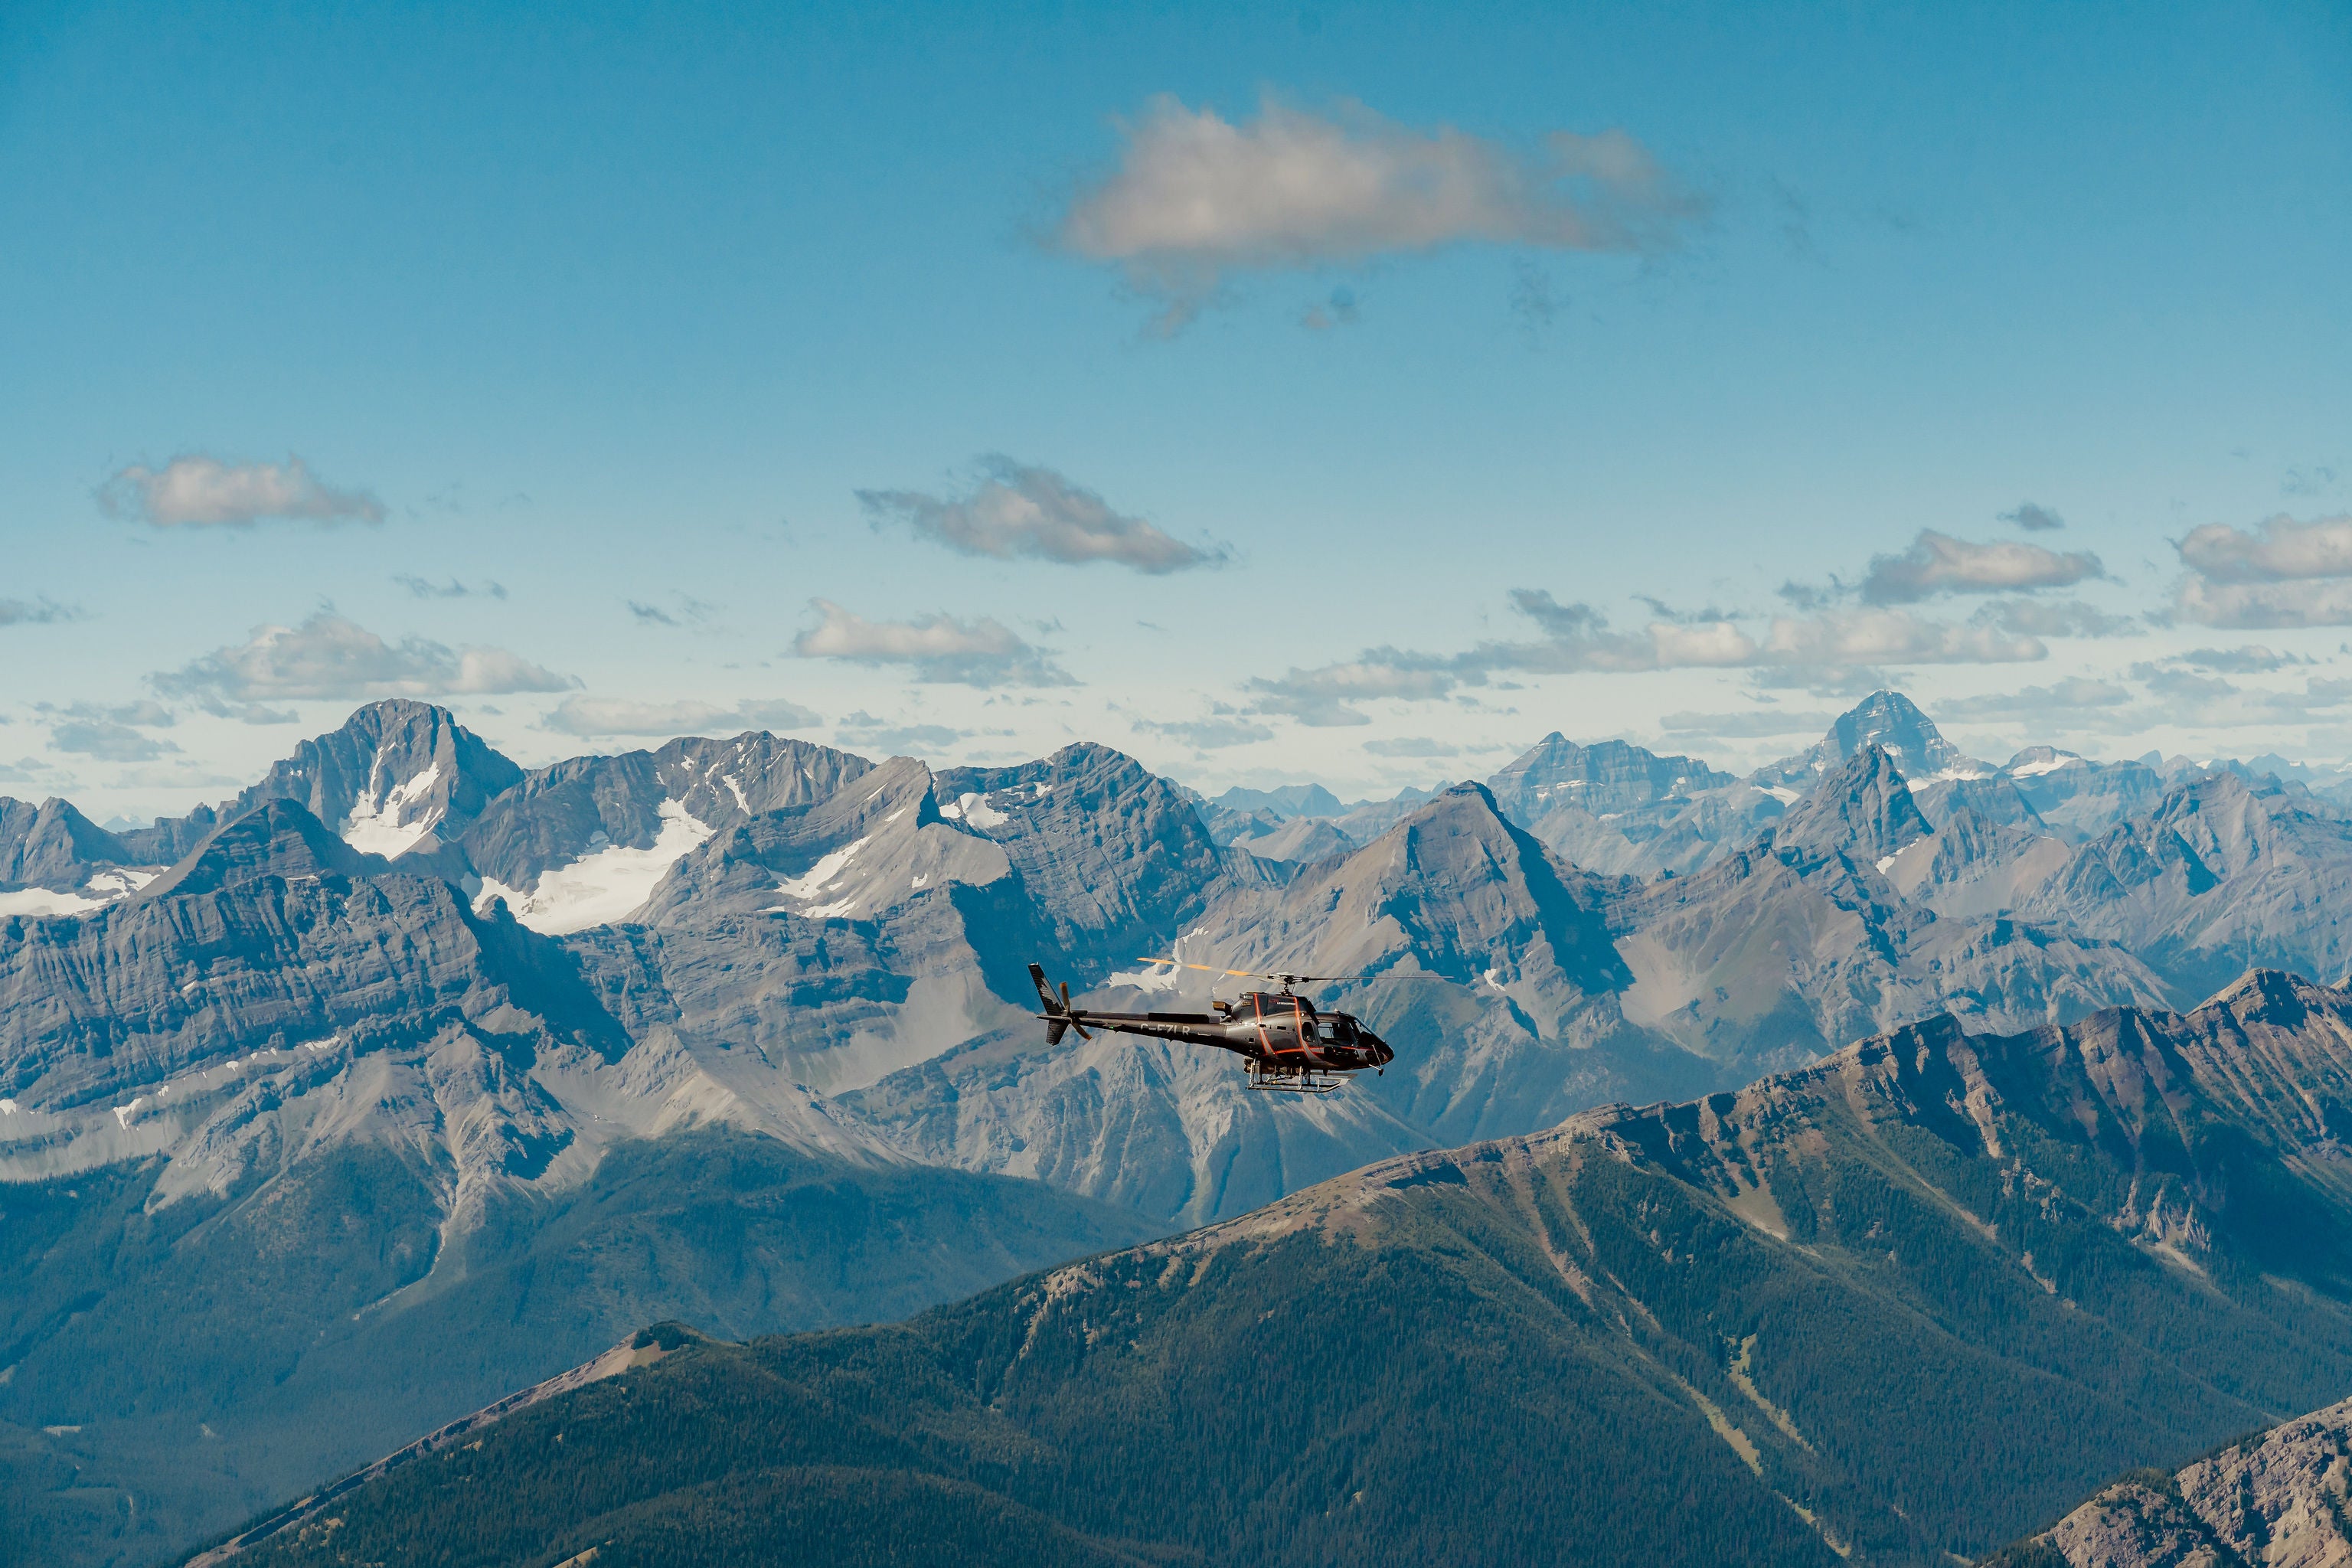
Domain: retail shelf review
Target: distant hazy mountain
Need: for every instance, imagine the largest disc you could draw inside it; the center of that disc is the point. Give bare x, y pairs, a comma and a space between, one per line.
1890, 721
1896, 1307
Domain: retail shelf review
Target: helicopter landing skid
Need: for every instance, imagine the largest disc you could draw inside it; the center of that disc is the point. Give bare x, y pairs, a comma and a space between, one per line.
1295, 1080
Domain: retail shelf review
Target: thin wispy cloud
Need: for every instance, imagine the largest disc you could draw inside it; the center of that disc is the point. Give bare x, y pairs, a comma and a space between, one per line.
195, 490
1326, 698
1210, 734
1937, 564
2068, 696
2033, 517
1025, 509
108, 742
1823, 652
1748, 724
329, 656
2253, 659
2056, 618
594, 717
426, 588
1196, 198
866, 731
35, 612
941, 648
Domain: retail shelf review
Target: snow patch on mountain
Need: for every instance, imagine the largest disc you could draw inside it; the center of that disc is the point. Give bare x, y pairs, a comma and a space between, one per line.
101, 891
374, 825
824, 874
603, 888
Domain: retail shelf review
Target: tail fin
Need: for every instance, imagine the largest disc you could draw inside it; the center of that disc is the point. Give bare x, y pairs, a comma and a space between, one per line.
1057, 1014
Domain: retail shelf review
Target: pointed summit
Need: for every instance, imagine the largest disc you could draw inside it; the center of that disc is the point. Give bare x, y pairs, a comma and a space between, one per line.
1889, 721
1863, 811
396, 771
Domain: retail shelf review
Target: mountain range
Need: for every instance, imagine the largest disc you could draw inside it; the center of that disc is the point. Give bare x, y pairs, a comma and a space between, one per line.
406, 1038
1894, 1307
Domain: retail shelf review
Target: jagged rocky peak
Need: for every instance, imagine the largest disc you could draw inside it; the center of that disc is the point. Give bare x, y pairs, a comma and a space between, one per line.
1892, 722
867, 848
583, 843
396, 773
1863, 811
277, 837
1606, 776
1457, 887
1115, 853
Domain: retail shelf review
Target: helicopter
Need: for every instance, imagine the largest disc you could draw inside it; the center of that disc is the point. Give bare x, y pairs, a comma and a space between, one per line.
1286, 1041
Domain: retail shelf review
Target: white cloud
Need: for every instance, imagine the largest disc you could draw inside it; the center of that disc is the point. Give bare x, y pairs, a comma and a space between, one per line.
594, 716
1025, 509
1196, 197
978, 652
1938, 563
2281, 574
2034, 518
1577, 637
1891, 636
199, 492
2251, 606
329, 656
1412, 746
2279, 549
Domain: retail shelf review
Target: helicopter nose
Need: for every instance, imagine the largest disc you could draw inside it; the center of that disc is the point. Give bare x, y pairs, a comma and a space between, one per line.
1378, 1049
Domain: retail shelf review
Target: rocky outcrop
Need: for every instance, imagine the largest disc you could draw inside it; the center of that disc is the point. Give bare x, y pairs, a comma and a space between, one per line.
2280, 1497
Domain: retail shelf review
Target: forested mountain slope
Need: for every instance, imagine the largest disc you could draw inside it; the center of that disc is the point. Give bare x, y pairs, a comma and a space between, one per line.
1898, 1305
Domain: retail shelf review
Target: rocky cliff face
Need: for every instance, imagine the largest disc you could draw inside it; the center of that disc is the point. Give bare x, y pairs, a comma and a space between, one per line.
2280, 1498
1118, 857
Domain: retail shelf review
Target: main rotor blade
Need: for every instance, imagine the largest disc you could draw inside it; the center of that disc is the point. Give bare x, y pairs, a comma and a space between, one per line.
1208, 968
1281, 974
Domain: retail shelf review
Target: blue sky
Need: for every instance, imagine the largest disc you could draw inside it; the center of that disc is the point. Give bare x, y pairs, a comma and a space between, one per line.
315, 317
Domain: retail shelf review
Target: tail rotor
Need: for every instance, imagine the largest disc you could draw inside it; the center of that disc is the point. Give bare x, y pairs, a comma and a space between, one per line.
1057, 1014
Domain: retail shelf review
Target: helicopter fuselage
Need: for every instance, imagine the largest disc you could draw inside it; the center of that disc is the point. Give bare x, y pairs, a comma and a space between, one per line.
1282, 1034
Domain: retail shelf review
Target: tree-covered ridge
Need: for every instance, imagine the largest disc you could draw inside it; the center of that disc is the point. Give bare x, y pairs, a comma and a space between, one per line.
1909, 1302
